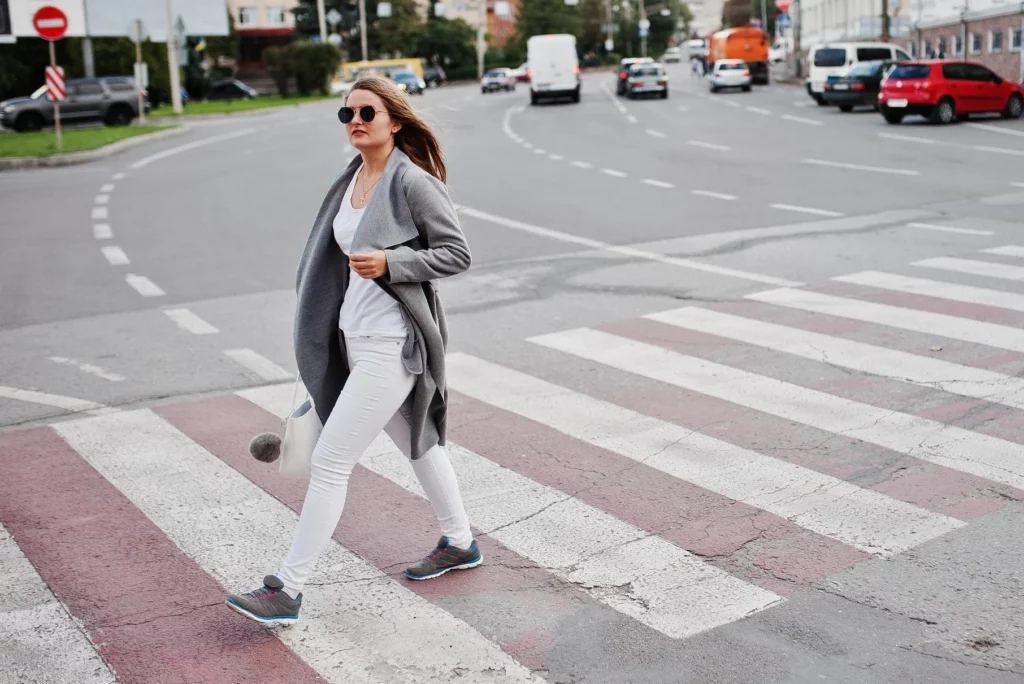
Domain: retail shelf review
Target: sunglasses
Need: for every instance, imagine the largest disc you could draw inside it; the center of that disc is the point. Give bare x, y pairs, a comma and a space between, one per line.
366, 113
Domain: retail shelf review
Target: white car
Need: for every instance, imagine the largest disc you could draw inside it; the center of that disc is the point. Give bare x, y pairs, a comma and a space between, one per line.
729, 73
673, 54
554, 67
498, 79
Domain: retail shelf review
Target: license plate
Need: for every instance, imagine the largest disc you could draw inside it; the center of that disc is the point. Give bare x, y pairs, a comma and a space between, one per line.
897, 103
840, 86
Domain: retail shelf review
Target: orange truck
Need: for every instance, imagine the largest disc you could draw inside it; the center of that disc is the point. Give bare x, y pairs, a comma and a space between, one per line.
747, 43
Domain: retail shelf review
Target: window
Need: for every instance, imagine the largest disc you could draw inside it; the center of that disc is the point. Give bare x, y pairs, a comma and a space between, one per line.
873, 54
942, 47
864, 70
831, 57
1015, 39
87, 89
927, 48
248, 16
911, 72
913, 49
120, 86
900, 54
958, 45
275, 15
976, 72
954, 72
975, 43
995, 41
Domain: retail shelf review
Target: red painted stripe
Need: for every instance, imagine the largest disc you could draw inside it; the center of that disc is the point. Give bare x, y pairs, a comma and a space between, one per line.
756, 546
392, 528
924, 484
153, 614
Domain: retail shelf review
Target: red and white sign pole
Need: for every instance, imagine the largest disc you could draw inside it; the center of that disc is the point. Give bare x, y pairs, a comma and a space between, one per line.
51, 24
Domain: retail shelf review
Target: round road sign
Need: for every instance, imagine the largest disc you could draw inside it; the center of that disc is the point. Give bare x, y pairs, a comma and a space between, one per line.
50, 23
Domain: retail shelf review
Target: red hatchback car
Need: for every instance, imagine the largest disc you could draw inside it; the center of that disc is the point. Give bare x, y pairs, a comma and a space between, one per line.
944, 91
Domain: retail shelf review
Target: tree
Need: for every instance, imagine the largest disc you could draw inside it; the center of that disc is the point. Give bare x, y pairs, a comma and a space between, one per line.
448, 43
593, 15
737, 13
539, 17
394, 36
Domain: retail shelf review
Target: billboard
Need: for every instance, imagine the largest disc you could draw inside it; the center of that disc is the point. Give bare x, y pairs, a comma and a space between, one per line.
109, 18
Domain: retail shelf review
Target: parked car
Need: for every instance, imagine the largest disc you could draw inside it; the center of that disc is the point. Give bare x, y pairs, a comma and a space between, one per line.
111, 99
231, 89
858, 87
523, 73
434, 76
647, 79
672, 55
624, 66
835, 59
498, 79
944, 91
414, 85
730, 73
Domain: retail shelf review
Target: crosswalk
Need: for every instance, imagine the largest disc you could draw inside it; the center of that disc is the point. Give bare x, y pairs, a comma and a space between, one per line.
668, 474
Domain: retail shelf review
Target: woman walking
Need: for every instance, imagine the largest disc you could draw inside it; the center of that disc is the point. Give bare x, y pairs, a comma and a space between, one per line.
370, 335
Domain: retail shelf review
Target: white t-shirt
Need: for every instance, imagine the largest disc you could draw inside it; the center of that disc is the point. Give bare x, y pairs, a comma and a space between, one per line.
367, 310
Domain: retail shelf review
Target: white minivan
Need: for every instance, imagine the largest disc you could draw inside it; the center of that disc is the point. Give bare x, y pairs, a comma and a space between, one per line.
554, 67
835, 59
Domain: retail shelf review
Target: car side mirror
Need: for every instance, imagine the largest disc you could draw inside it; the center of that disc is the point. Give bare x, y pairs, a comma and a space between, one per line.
998, 80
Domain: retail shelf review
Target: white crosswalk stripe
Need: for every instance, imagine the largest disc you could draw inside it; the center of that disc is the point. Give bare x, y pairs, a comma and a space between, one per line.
988, 269
935, 288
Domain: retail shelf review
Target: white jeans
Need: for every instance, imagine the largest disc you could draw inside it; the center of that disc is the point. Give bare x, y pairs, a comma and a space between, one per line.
374, 398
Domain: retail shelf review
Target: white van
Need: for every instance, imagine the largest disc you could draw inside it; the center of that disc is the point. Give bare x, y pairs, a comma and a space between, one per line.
834, 59
553, 66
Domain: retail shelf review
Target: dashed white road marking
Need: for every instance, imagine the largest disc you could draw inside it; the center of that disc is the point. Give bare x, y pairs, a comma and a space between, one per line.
1017, 185
714, 195
997, 129
187, 320
613, 172
115, 255
581, 165
800, 119
728, 102
539, 151
55, 400
807, 210
100, 213
89, 368
658, 183
527, 145
631, 119
709, 146
998, 150
118, 176
556, 157
260, 365
949, 229
861, 167
655, 134
102, 231
102, 199
908, 138
109, 187
684, 109
759, 110
1006, 250
144, 286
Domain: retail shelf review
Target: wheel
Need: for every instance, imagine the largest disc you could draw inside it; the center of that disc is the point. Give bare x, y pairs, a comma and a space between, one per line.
533, 98
664, 94
1014, 108
821, 101
119, 115
714, 89
944, 112
892, 117
29, 122
576, 95
846, 108
483, 90
746, 89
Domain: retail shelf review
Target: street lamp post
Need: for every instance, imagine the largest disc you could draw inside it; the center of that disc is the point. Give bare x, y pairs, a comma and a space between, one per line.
323, 20
643, 31
172, 58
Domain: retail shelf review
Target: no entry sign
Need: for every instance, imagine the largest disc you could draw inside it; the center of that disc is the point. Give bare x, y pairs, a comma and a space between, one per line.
50, 23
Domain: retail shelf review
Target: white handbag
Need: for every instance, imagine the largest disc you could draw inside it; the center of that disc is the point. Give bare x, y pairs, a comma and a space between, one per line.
301, 433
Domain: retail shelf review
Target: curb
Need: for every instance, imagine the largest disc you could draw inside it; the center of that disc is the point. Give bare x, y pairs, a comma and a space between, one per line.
13, 163
188, 118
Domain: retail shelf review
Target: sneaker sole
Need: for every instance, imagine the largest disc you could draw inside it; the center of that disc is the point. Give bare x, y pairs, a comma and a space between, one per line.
464, 566
283, 620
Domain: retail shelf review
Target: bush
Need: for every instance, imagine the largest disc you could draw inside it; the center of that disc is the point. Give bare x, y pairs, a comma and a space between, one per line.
278, 59
313, 65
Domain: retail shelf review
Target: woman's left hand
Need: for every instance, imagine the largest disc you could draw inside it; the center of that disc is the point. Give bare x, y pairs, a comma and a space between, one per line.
372, 265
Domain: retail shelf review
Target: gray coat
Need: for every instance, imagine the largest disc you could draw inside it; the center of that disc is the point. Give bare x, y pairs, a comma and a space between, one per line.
411, 217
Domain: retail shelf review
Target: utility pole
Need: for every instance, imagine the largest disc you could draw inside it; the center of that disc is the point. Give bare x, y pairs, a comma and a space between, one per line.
172, 58
797, 25
87, 59
764, 16
885, 21
362, 28
323, 20
481, 40
643, 36
609, 42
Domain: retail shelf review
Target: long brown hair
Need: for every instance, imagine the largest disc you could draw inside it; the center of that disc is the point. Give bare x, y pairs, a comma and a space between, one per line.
415, 138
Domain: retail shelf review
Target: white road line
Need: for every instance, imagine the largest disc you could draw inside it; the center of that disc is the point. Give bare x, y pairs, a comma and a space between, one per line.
997, 129
613, 172
631, 252
707, 145
100, 213
556, 157
828, 506
655, 134
998, 150
119, 176
102, 199
949, 229
146, 161
102, 231
1017, 185
50, 645
807, 210
943, 325
631, 119
714, 195
115, 255
866, 358
758, 110
205, 507
527, 145
144, 286
1006, 250
89, 368
800, 119
684, 109
54, 400
803, 104
539, 151
260, 365
109, 187
938, 289
187, 320
928, 440
581, 165
907, 138
730, 103
658, 183
982, 268
861, 167
669, 589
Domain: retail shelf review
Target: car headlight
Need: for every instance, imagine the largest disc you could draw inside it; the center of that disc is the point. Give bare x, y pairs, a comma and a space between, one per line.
9, 108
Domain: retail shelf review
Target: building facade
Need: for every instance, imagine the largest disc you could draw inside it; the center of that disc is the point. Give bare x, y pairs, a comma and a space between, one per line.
261, 24
993, 37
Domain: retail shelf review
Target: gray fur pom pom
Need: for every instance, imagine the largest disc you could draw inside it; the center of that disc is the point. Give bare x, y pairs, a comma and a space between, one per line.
265, 447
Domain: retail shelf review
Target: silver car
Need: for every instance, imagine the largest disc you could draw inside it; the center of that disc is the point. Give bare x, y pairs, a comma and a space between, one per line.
729, 73
498, 79
113, 100
647, 79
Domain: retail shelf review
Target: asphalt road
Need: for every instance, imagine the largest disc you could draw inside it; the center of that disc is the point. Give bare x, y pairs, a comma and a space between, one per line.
167, 274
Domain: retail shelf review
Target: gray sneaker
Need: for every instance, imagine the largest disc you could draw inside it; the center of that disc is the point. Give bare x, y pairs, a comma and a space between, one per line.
268, 604
445, 558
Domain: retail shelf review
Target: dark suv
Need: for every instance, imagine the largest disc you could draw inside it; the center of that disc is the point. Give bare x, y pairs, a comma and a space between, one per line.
111, 99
